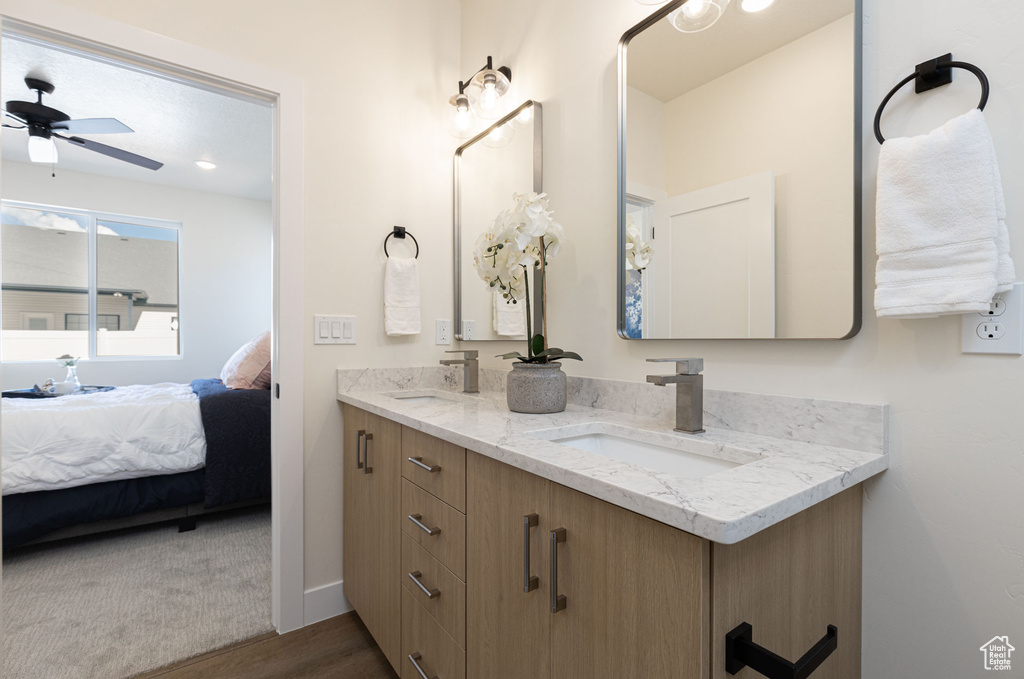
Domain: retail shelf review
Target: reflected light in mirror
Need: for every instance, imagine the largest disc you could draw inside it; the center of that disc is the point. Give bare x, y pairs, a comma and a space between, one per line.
499, 137
698, 15
756, 5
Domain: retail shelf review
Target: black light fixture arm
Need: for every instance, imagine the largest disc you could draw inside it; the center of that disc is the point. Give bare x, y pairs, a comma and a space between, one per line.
489, 66
741, 651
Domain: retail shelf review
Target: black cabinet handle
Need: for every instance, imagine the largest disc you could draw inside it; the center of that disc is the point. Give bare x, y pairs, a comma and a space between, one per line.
741, 651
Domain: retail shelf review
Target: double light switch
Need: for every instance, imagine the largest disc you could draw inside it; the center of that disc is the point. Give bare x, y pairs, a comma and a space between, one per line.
334, 329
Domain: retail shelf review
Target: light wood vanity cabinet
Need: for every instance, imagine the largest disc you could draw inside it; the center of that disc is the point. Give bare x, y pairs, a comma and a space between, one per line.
631, 598
508, 575
372, 550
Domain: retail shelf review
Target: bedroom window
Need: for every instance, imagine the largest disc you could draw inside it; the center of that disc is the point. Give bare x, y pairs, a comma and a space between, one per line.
87, 284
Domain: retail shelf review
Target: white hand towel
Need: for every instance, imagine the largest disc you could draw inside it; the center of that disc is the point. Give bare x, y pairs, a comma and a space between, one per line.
401, 296
941, 236
509, 319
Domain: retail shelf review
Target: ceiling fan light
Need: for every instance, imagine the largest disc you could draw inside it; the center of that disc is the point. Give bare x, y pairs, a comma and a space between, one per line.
756, 5
41, 149
206, 165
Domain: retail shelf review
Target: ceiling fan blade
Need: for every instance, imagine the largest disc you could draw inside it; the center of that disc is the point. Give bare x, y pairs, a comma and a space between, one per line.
92, 126
119, 154
11, 115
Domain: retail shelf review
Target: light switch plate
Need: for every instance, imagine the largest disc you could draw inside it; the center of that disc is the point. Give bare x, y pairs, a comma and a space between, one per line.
334, 329
999, 330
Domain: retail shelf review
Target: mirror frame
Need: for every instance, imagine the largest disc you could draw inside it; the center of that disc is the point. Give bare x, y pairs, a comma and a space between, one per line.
858, 180
538, 187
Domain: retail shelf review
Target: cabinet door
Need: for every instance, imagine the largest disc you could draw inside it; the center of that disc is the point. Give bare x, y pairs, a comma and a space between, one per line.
792, 581
636, 594
507, 630
372, 539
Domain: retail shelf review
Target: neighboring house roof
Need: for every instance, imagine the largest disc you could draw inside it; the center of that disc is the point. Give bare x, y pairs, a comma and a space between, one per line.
47, 259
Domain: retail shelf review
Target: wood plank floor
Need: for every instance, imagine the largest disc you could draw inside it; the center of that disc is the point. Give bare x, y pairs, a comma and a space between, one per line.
339, 648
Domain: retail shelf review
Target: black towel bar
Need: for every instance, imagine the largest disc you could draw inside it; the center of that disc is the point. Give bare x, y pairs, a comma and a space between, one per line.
400, 232
929, 75
741, 651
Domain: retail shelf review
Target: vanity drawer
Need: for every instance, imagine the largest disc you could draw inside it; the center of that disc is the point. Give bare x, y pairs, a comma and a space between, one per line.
426, 642
446, 476
448, 605
435, 526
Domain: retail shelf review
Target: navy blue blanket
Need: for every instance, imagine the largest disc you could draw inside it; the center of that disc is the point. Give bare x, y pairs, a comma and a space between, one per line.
237, 425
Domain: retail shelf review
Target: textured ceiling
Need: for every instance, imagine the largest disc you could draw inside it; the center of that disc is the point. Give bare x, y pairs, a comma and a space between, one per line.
174, 123
666, 64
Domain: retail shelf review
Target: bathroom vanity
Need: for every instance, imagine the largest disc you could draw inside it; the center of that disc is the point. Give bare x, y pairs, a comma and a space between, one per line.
481, 543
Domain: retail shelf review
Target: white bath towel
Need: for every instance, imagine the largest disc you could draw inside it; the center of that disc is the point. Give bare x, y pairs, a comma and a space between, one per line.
941, 237
401, 296
509, 319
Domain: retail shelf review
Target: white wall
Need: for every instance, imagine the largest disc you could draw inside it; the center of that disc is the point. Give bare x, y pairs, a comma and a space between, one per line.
377, 153
225, 288
944, 530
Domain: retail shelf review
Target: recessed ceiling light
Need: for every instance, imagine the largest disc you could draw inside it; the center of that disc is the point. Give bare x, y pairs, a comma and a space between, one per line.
755, 5
205, 164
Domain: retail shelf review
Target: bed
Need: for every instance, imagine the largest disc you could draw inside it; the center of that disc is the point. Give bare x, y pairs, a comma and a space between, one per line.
82, 463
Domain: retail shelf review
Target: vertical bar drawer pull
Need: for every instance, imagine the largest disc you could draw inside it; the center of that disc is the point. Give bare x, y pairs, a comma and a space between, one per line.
417, 519
557, 600
431, 593
418, 461
360, 435
529, 581
367, 469
414, 658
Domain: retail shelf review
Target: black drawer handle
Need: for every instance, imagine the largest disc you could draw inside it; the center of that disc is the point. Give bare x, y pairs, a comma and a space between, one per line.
741, 651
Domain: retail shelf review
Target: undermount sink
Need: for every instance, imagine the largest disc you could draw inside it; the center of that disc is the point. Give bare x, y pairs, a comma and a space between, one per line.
685, 458
430, 397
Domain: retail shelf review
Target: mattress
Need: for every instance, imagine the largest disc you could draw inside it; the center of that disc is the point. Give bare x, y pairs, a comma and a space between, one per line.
128, 433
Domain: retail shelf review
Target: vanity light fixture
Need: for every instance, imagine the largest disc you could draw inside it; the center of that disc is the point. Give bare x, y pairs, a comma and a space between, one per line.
206, 165
755, 5
697, 15
480, 95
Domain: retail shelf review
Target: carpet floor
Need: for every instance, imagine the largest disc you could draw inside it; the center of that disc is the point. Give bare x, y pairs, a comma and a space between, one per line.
112, 606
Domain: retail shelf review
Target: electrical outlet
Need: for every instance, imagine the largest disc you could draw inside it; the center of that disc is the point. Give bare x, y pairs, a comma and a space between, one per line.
998, 308
444, 332
1000, 330
991, 331
469, 330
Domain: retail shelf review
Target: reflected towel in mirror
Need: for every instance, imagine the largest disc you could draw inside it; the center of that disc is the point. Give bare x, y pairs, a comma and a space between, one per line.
401, 296
509, 319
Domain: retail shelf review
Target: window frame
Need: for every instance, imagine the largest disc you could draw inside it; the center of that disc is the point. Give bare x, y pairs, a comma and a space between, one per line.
93, 217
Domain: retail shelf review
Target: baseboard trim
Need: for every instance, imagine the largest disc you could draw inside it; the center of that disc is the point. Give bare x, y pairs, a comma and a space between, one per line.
326, 601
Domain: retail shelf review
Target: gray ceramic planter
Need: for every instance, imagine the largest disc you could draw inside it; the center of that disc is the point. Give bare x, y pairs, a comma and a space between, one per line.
536, 388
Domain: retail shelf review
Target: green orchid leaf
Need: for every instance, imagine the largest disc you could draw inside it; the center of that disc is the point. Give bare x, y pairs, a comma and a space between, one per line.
567, 354
549, 352
537, 344
512, 354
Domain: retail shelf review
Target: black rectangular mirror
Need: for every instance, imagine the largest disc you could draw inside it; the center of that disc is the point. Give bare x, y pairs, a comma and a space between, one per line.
739, 171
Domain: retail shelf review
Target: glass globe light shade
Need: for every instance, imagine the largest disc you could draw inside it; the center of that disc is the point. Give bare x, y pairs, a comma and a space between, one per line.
697, 15
462, 118
485, 91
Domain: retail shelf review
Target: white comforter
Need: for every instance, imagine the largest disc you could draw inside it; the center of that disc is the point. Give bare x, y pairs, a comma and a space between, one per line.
130, 432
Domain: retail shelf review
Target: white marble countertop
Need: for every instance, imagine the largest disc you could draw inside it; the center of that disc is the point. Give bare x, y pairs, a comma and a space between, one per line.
776, 479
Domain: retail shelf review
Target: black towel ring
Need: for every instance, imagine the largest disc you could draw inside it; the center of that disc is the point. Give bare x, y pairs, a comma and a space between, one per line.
400, 232
929, 75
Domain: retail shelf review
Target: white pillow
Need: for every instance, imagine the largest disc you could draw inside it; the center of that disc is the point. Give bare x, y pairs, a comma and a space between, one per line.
249, 367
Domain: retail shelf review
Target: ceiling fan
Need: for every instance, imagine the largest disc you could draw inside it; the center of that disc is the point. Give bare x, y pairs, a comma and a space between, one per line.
45, 123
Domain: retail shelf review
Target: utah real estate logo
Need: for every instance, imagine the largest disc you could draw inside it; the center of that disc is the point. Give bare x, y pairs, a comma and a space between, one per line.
997, 653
